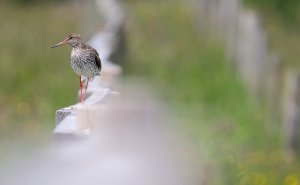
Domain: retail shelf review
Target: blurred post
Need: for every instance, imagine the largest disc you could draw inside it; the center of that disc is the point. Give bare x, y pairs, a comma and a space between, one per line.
291, 117
243, 36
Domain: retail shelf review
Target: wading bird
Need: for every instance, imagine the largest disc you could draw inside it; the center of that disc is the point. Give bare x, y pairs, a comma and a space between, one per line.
85, 60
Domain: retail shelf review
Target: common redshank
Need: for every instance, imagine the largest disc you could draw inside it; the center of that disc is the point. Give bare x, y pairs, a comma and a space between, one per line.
85, 60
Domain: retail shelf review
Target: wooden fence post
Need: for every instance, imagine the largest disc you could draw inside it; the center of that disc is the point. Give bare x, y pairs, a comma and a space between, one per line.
291, 112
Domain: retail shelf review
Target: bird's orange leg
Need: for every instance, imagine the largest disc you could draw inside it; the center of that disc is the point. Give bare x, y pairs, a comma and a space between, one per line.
85, 88
80, 85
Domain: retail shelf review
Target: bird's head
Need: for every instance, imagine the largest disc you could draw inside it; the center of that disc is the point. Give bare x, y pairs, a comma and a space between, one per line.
73, 40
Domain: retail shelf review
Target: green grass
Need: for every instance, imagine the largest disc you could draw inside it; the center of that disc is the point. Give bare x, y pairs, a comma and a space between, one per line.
196, 79
35, 79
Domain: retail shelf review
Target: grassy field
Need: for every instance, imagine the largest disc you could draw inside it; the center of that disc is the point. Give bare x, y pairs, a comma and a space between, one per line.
35, 80
195, 78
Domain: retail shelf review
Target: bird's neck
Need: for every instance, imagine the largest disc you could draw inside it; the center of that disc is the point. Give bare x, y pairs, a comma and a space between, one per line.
79, 44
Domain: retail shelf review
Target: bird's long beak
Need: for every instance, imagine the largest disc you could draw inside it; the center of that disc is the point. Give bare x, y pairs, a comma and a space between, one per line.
59, 44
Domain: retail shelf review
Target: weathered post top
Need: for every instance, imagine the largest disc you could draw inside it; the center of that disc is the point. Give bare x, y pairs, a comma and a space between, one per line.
108, 42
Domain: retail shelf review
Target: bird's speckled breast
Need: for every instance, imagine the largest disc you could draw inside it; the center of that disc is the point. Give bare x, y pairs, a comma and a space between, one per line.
83, 64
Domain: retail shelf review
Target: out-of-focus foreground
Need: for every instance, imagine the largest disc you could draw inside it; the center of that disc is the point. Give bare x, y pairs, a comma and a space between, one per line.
236, 126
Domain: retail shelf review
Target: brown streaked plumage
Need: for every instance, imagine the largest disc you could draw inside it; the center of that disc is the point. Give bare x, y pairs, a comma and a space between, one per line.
85, 60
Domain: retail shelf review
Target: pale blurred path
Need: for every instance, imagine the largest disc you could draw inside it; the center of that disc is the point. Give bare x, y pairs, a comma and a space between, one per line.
132, 142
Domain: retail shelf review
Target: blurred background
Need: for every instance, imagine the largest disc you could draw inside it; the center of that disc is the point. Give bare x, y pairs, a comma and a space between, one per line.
228, 70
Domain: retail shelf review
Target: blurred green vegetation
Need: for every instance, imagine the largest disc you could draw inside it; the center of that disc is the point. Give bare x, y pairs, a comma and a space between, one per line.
35, 79
194, 76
